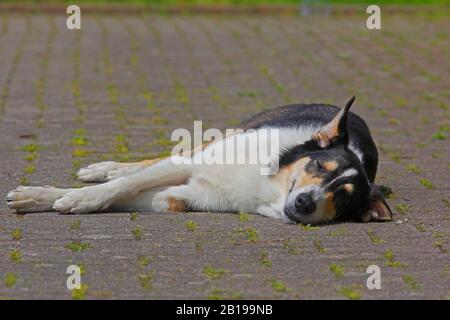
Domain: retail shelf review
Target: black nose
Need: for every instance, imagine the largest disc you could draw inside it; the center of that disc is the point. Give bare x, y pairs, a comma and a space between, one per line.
305, 204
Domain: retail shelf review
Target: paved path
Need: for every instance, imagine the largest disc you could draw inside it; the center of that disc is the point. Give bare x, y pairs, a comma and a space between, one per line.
117, 89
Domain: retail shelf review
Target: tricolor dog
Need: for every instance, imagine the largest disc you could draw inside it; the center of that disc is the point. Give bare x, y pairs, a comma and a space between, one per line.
327, 162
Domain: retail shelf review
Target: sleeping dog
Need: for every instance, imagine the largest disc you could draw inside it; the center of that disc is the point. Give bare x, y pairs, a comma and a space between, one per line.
327, 162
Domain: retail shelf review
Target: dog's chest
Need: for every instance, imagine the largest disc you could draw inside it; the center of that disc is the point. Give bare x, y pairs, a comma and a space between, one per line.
243, 187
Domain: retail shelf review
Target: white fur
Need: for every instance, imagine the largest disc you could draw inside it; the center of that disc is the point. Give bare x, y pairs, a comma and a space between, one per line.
204, 187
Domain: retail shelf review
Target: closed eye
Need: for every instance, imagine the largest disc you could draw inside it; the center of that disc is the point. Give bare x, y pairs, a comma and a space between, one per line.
292, 186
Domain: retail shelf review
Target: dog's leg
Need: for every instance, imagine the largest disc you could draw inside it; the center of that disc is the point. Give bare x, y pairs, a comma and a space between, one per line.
34, 199
94, 198
163, 199
142, 202
109, 170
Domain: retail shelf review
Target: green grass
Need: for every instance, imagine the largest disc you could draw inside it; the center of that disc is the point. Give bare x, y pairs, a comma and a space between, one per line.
80, 294
264, 259
80, 153
213, 273
133, 216
337, 270
76, 246
219, 294
427, 184
10, 279
279, 286
350, 292
143, 261
75, 225
308, 227
246, 2
413, 168
402, 208
16, 234
251, 234
30, 147
15, 256
243, 217
290, 247
439, 135
411, 282
373, 237
137, 233
191, 225
390, 260
146, 280
318, 245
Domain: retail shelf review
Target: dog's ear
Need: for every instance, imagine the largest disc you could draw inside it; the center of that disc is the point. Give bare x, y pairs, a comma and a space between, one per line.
378, 210
336, 130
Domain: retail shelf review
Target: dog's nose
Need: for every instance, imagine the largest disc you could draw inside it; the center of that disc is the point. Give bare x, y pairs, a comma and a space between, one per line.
305, 204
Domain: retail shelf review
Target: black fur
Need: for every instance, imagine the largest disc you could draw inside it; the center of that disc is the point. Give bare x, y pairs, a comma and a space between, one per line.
317, 114
352, 131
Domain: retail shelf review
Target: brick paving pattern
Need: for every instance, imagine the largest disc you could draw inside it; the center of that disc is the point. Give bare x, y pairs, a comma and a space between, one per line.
117, 89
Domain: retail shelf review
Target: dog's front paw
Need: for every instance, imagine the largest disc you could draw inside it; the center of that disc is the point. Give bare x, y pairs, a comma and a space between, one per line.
107, 171
122, 171
97, 172
33, 199
84, 200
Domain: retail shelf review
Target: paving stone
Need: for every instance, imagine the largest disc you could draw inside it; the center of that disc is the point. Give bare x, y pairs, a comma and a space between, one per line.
137, 78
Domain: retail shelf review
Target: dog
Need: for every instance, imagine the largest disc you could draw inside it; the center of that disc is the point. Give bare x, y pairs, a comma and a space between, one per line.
327, 163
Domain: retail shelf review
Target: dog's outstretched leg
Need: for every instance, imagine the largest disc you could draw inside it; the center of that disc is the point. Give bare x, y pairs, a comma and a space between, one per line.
34, 199
109, 170
167, 172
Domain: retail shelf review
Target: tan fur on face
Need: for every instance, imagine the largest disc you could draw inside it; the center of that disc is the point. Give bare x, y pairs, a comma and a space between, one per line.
306, 179
297, 169
330, 165
329, 210
176, 205
348, 187
284, 176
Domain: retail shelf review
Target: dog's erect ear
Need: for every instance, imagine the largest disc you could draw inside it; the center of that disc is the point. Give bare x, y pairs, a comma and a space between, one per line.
378, 210
336, 130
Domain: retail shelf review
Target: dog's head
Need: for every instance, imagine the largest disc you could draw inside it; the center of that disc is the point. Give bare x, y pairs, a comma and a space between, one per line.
329, 183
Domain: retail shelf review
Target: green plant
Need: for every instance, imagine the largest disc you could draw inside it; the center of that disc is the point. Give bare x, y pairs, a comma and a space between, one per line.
413, 168
279, 286
137, 233
133, 216
75, 225
76, 246
402, 208
308, 227
264, 259
318, 245
390, 260
373, 237
251, 234
143, 261
16, 234
145, 280
10, 279
337, 270
411, 282
218, 294
213, 273
15, 256
80, 294
243, 217
191, 225
350, 292
427, 183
